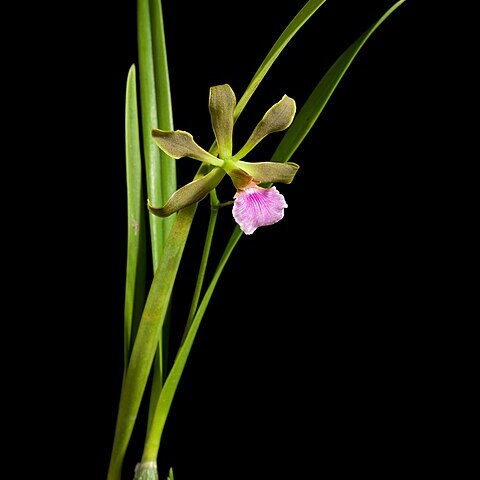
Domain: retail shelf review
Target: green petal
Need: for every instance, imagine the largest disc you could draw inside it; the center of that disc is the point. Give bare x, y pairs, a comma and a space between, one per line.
222, 103
278, 118
180, 144
266, 172
240, 178
190, 193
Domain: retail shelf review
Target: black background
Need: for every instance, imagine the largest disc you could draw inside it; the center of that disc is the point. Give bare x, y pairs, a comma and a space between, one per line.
302, 363
309, 360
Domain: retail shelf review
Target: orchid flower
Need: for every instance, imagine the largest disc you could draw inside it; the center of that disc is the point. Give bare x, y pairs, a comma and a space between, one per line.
253, 206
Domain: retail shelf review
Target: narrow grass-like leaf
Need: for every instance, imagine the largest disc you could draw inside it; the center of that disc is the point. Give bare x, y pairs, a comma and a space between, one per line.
146, 341
164, 104
168, 169
292, 28
149, 113
153, 173
135, 287
161, 169
314, 105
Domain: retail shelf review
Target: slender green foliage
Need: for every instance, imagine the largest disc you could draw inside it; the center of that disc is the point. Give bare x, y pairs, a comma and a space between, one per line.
148, 97
153, 169
156, 306
164, 105
147, 338
309, 113
135, 285
292, 28
166, 183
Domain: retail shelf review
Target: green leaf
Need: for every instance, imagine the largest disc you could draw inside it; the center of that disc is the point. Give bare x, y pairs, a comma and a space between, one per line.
314, 105
278, 118
135, 286
147, 37
168, 167
179, 144
221, 104
147, 338
292, 28
148, 97
190, 193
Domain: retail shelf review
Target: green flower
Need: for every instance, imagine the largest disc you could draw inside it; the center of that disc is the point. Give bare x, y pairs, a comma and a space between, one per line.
244, 175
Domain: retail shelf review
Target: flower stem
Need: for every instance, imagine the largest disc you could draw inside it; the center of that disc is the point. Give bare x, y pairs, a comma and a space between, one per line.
155, 426
152, 443
214, 203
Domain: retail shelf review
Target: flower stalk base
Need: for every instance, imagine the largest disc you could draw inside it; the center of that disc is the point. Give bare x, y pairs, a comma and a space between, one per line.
146, 471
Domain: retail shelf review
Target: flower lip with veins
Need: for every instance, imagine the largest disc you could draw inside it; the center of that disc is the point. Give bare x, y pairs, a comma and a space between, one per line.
256, 207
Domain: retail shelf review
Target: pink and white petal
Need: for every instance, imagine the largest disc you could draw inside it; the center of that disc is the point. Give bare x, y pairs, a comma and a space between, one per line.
256, 207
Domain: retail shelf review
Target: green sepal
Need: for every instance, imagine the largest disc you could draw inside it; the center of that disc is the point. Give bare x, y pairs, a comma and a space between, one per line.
190, 193
278, 118
240, 178
178, 144
222, 103
266, 172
